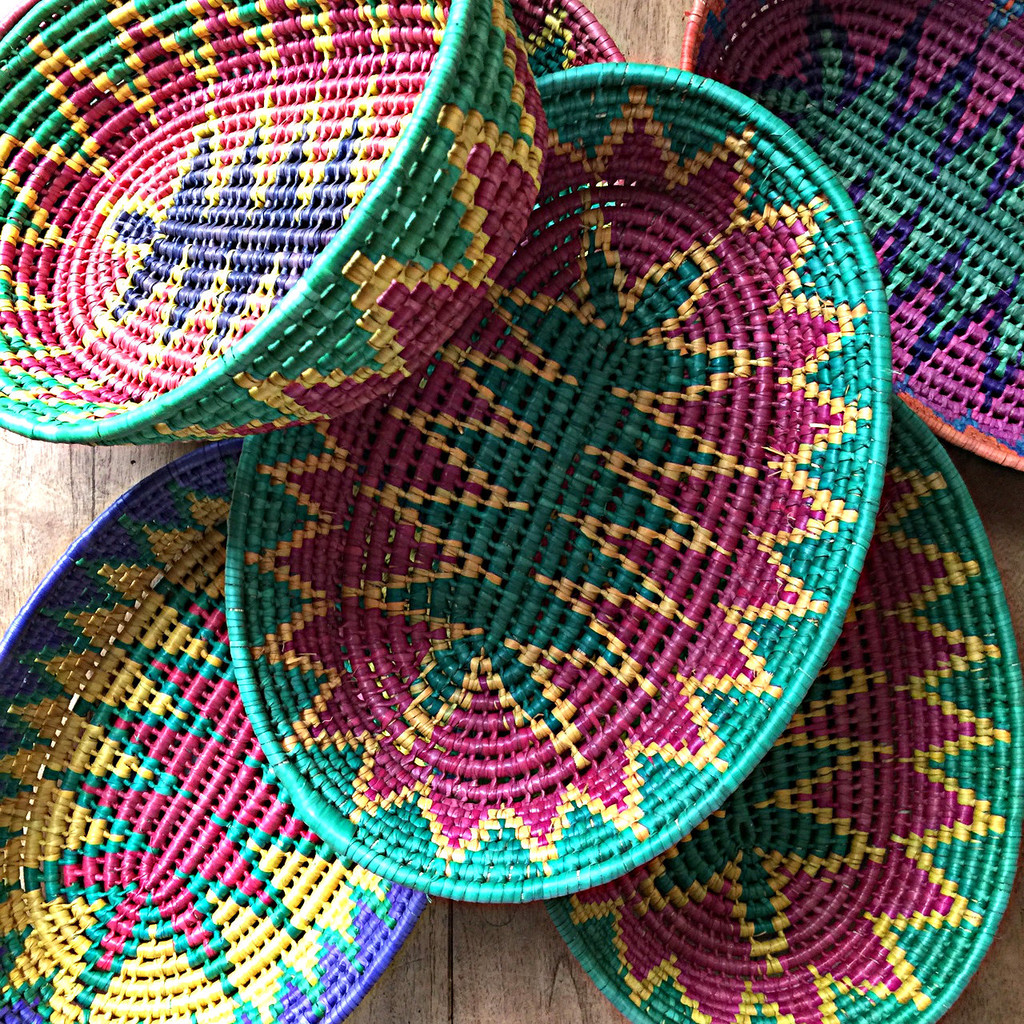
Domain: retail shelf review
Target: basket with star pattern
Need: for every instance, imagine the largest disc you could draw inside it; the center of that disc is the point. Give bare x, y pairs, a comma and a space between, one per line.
221, 217
151, 870
526, 623
919, 107
859, 874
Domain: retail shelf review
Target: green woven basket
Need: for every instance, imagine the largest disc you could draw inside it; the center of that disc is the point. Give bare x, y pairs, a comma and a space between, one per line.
217, 218
860, 872
151, 870
521, 627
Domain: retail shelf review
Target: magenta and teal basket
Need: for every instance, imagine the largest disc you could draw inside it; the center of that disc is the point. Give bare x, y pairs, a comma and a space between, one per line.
563, 34
150, 868
521, 627
220, 218
919, 107
860, 872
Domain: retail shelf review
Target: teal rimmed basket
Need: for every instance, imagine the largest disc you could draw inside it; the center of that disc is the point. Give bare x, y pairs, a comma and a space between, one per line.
860, 872
151, 869
217, 219
525, 624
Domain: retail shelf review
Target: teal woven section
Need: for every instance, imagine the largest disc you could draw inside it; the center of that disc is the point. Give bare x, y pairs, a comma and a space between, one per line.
146, 848
860, 872
540, 613
226, 220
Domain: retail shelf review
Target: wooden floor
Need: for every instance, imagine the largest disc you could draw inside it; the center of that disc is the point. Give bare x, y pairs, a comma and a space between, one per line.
467, 964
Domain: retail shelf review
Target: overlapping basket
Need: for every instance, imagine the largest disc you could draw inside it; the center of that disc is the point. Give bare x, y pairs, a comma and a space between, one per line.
859, 873
918, 107
562, 34
151, 870
220, 218
522, 626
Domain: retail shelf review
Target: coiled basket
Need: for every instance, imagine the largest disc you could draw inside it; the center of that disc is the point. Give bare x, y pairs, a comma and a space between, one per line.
918, 107
220, 218
151, 870
563, 34
522, 626
860, 872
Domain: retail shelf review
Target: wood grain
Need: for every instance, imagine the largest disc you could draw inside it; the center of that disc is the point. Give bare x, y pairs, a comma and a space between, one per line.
467, 964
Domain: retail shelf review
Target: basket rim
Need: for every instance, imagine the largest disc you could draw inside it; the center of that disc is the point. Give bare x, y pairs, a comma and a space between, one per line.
969, 439
219, 375
340, 831
179, 470
694, 21
1010, 669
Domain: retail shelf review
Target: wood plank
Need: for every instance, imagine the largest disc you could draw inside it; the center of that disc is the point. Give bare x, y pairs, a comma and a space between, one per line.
511, 965
416, 987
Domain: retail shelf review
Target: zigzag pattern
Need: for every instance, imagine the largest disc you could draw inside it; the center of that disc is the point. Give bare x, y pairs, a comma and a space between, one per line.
144, 837
526, 568
831, 882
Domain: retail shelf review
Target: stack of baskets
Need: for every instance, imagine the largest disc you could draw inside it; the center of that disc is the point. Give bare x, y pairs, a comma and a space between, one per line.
563, 558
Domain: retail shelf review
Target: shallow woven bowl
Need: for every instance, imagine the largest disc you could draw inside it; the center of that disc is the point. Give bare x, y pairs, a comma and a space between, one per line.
219, 218
918, 107
860, 872
151, 871
525, 625
563, 34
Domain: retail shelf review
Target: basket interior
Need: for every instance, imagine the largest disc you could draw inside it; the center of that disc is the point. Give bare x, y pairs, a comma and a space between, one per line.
861, 870
151, 869
918, 108
548, 603
173, 170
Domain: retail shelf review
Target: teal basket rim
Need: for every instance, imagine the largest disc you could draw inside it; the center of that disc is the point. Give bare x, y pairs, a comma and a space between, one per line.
123, 426
1009, 669
340, 832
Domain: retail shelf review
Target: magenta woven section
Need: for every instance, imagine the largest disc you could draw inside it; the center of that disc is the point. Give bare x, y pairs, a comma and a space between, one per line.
538, 606
918, 106
860, 871
561, 34
209, 186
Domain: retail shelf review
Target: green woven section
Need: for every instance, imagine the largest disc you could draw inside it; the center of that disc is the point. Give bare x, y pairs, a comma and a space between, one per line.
861, 870
636, 491
294, 322
146, 849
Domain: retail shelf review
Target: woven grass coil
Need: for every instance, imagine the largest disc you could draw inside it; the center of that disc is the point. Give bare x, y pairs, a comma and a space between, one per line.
563, 34
859, 874
526, 623
919, 107
220, 217
151, 871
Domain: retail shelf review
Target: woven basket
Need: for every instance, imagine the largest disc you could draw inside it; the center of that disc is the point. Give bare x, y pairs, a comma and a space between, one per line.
524, 626
860, 872
563, 34
918, 106
150, 871
217, 218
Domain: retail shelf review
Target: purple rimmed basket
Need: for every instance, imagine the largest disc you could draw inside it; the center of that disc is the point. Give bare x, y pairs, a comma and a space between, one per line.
219, 219
520, 627
151, 870
917, 106
860, 872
